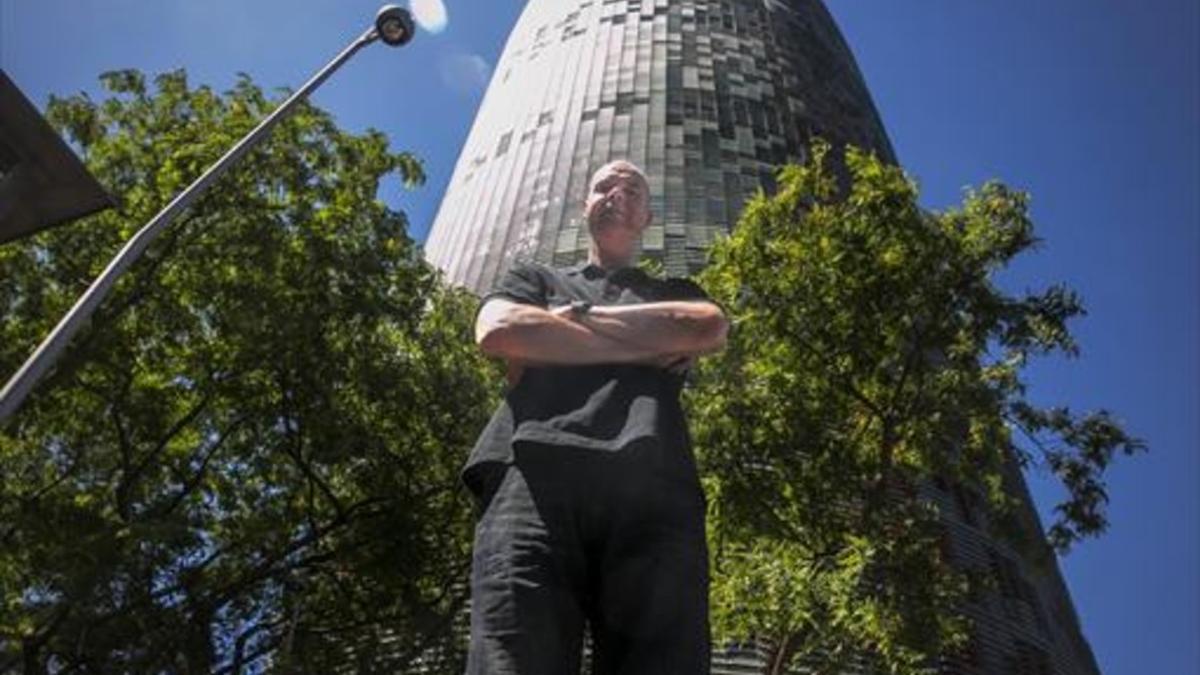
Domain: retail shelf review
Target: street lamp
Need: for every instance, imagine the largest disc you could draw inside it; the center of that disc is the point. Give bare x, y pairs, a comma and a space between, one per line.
393, 26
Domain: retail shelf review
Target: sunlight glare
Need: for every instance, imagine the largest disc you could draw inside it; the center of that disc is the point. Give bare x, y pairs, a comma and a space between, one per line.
430, 15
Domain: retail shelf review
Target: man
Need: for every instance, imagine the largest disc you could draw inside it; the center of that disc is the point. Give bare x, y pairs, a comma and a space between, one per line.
591, 510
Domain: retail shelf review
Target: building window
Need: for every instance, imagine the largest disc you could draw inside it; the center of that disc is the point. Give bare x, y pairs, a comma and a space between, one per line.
8, 161
946, 543
966, 659
624, 103
505, 141
1008, 577
965, 504
1028, 659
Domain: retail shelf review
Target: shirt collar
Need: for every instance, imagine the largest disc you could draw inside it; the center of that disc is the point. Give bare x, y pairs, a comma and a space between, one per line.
591, 270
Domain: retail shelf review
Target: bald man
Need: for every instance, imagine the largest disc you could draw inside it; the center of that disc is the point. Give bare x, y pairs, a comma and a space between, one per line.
590, 507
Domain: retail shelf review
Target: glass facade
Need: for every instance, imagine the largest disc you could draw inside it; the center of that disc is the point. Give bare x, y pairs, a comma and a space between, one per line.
708, 97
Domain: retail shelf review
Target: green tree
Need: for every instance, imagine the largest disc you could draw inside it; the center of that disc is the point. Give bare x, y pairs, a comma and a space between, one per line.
249, 458
872, 353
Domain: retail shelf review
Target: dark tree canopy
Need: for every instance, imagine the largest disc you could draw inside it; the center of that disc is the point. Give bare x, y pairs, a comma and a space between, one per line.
249, 458
248, 461
872, 353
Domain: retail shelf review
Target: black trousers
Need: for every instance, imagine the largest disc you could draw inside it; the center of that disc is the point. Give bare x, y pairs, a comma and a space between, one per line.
614, 539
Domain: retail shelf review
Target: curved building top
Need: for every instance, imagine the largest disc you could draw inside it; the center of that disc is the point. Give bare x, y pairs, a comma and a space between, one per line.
707, 96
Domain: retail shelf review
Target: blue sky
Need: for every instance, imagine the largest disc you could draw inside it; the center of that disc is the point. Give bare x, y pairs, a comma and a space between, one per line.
1093, 106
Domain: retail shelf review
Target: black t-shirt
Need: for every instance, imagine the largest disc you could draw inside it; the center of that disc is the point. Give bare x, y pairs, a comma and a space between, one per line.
602, 407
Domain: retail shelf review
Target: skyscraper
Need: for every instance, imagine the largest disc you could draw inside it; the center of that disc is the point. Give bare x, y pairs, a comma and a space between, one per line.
707, 96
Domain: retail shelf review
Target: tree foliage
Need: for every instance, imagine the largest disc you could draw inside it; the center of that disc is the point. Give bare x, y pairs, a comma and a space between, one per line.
248, 461
872, 354
249, 458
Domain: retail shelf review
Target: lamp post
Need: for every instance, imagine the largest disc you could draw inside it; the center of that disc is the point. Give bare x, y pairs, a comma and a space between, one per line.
393, 26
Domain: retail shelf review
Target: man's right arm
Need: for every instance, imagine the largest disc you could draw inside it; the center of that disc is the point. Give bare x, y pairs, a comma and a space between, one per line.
526, 333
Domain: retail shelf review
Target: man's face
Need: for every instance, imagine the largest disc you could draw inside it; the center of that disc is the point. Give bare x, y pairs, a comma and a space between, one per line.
617, 208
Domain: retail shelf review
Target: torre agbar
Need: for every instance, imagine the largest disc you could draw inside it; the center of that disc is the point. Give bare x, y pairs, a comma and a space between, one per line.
708, 97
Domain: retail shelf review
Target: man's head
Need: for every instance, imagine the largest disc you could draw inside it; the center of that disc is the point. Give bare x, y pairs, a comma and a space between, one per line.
617, 208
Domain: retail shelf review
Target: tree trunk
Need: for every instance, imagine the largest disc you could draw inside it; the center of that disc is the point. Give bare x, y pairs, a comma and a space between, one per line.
31, 658
781, 655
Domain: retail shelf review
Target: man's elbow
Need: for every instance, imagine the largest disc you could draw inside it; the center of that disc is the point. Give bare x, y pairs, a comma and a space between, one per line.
497, 340
721, 332
496, 332
714, 333
489, 340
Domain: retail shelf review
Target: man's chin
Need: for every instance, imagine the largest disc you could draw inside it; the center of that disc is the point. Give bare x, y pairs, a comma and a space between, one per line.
605, 219
600, 230
606, 223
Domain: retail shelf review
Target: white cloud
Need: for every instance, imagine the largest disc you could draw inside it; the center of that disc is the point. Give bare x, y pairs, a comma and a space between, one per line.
465, 73
430, 15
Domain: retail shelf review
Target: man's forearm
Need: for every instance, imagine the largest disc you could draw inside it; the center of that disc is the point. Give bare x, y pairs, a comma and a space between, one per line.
533, 334
680, 327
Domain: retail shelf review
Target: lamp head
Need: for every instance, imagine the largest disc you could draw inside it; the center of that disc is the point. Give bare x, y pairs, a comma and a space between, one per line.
394, 25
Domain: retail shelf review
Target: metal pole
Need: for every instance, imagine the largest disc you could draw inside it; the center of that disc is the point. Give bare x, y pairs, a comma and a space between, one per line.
35, 367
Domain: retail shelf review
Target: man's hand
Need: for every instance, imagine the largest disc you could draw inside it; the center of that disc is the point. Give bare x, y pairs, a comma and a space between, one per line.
512, 372
563, 311
676, 363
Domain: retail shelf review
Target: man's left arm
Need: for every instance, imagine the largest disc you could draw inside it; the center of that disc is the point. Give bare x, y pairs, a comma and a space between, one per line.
683, 320
690, 327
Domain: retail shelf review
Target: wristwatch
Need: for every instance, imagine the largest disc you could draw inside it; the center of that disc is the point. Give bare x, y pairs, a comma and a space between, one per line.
580, 307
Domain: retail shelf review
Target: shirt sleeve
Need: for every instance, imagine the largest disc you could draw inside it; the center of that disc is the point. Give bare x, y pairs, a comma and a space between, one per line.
680, 288
521, 283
